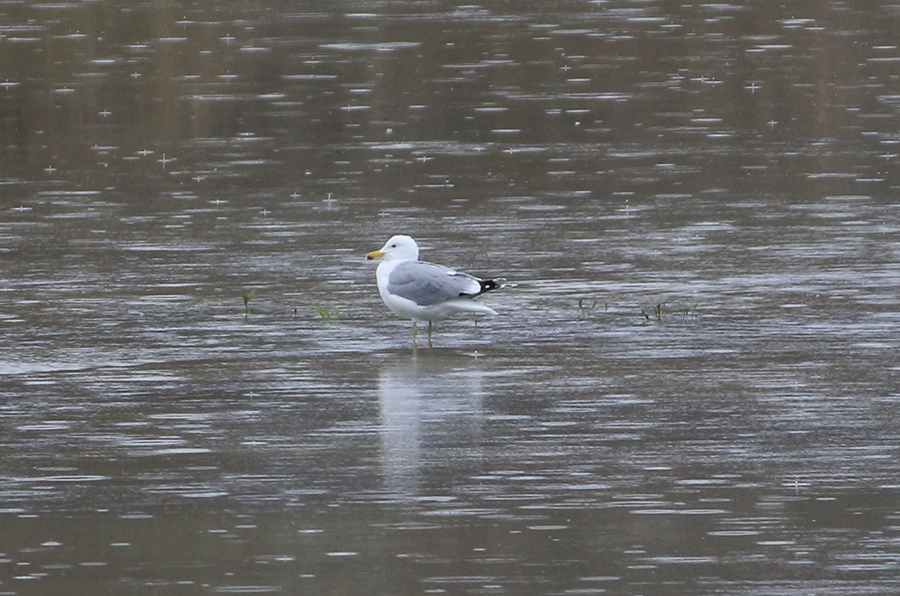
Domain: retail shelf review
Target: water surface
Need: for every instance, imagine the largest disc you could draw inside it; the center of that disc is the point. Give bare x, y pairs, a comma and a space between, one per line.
691, 388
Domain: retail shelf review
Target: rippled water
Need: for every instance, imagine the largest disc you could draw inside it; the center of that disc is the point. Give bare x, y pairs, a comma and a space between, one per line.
692, 387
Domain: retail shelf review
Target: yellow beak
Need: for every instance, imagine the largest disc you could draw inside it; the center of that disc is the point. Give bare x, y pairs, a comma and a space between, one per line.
375, 254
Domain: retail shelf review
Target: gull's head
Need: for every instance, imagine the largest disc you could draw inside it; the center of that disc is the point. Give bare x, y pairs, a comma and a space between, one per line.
398, 248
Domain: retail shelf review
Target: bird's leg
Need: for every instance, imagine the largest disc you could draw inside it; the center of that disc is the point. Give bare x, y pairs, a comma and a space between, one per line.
415, 331
430, 327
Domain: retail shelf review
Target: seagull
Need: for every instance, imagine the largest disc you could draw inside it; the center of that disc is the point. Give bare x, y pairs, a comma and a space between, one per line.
424, 291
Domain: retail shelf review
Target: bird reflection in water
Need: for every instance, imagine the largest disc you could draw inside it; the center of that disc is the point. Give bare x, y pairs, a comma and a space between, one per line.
431, 423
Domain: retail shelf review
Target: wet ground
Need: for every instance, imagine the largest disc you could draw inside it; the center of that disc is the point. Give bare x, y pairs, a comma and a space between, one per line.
692, 387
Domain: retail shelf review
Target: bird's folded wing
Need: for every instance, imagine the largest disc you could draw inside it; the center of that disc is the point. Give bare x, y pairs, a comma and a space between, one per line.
427, 283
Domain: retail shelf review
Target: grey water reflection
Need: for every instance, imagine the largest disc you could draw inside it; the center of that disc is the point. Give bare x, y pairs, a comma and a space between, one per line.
431, 416
692, 388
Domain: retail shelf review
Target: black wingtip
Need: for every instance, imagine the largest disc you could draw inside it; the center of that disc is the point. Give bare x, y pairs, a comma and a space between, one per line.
492, 284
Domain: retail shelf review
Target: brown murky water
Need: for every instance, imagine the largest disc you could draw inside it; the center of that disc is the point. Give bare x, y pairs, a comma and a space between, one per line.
692, 388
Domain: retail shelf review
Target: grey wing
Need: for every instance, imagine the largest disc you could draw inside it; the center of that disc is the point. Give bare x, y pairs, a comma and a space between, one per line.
427, 283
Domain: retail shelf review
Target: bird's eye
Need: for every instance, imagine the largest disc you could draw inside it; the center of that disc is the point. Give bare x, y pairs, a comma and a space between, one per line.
393, 246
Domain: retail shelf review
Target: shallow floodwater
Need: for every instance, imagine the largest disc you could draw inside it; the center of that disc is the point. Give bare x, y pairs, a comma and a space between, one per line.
692, 386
